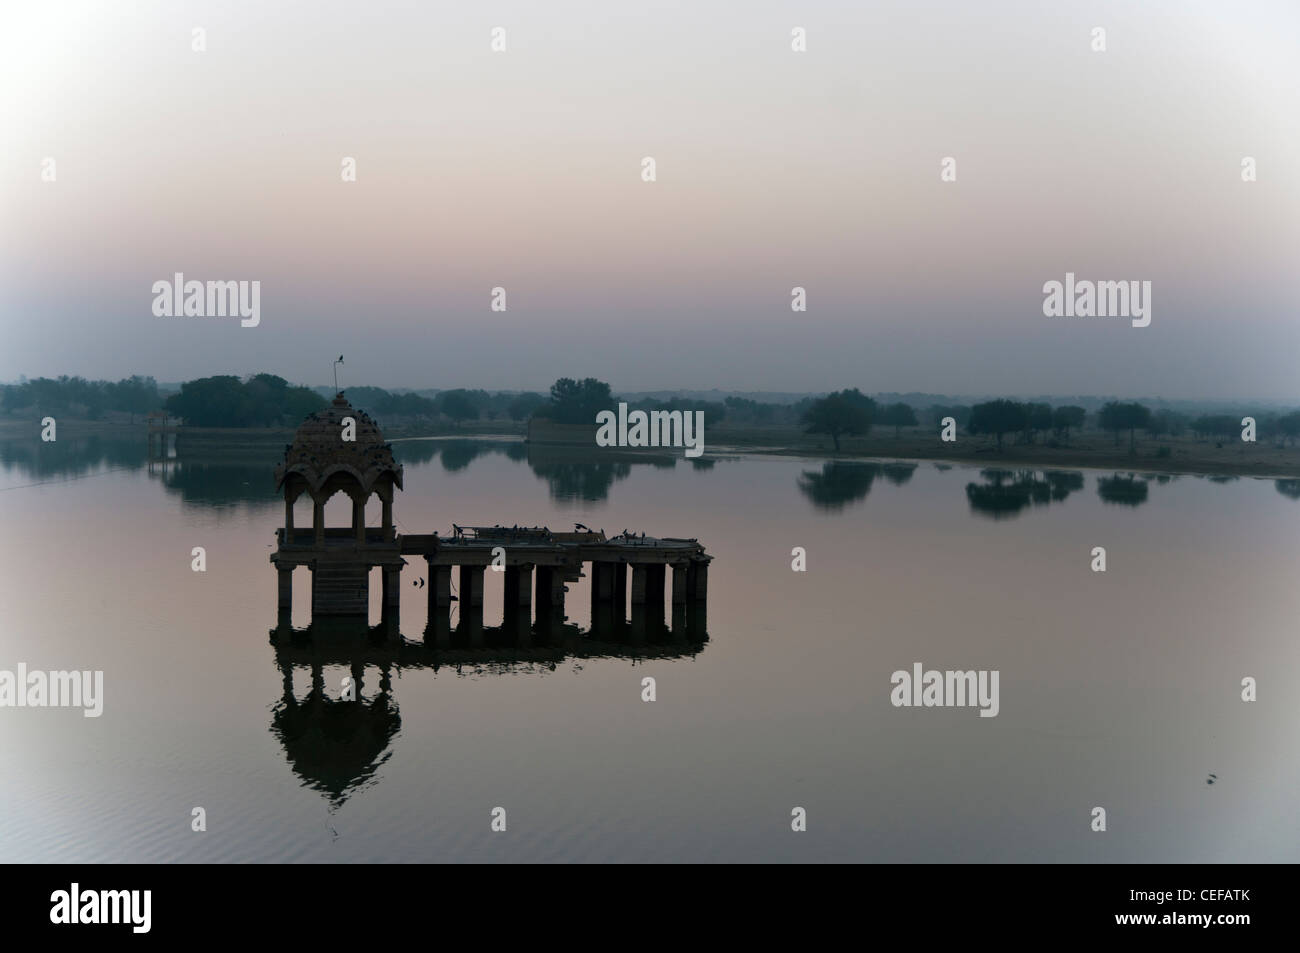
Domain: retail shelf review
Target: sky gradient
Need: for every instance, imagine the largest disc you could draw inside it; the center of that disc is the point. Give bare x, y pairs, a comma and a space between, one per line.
775, 169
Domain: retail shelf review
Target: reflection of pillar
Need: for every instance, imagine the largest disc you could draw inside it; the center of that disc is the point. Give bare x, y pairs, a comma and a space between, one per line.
359, 519
679, 583
439, 628
318, 521
677, 631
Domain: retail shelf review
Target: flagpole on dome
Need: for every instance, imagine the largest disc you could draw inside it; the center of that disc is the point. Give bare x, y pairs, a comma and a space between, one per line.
336, 374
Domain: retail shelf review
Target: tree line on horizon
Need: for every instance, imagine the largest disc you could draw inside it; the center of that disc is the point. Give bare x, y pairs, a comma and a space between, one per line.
851, 413
267, 400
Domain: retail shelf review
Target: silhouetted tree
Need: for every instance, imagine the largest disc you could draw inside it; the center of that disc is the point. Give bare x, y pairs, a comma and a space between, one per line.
578, 402
1117, 416
844, 413
1063, 418
458, 405
998, 417
522, 407
1038, 417
898, 416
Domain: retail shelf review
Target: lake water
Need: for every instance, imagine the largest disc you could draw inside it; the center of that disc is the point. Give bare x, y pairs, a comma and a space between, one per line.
1120, 690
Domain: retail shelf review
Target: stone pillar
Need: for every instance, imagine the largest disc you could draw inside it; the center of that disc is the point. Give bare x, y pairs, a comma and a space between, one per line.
602, 582
520, 594
318, 521
471, 587
550, 588
284, 601
654, 583
699, 586
679, 583
288, 519
359, 519
285, 574
620, 591
439, 585
388, 518
639, 583
391, 611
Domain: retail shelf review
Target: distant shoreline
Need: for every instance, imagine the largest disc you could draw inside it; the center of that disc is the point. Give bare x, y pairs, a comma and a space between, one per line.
1088, 450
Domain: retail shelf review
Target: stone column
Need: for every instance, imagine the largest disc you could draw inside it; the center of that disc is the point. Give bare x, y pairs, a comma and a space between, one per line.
639, 583
700, 584
620, 591
471, 586
654, 583
284, 602
359, 519
388, 518
550, 588
679, 583
285, 574
439, 585
519, 586
318, 520
288, 519
392, 593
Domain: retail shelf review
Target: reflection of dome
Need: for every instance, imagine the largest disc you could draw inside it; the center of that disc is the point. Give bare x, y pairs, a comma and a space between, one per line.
319, 451
336, 746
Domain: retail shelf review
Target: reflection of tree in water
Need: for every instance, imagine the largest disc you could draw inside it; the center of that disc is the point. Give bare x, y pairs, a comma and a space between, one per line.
1128, 490
458, 454
1006, 492
575, 481
1288, 488
70, 456
219, 484
574, 474
703, 463
415, 451
838, 484
898, 473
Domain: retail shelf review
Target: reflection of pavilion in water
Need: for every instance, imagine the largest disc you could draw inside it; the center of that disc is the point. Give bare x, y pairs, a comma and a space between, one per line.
336, 745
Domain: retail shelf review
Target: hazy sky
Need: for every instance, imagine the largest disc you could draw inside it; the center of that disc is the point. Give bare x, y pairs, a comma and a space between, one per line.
776, 168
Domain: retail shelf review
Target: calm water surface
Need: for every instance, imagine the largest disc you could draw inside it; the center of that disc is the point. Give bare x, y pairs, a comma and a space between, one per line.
1119, 689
